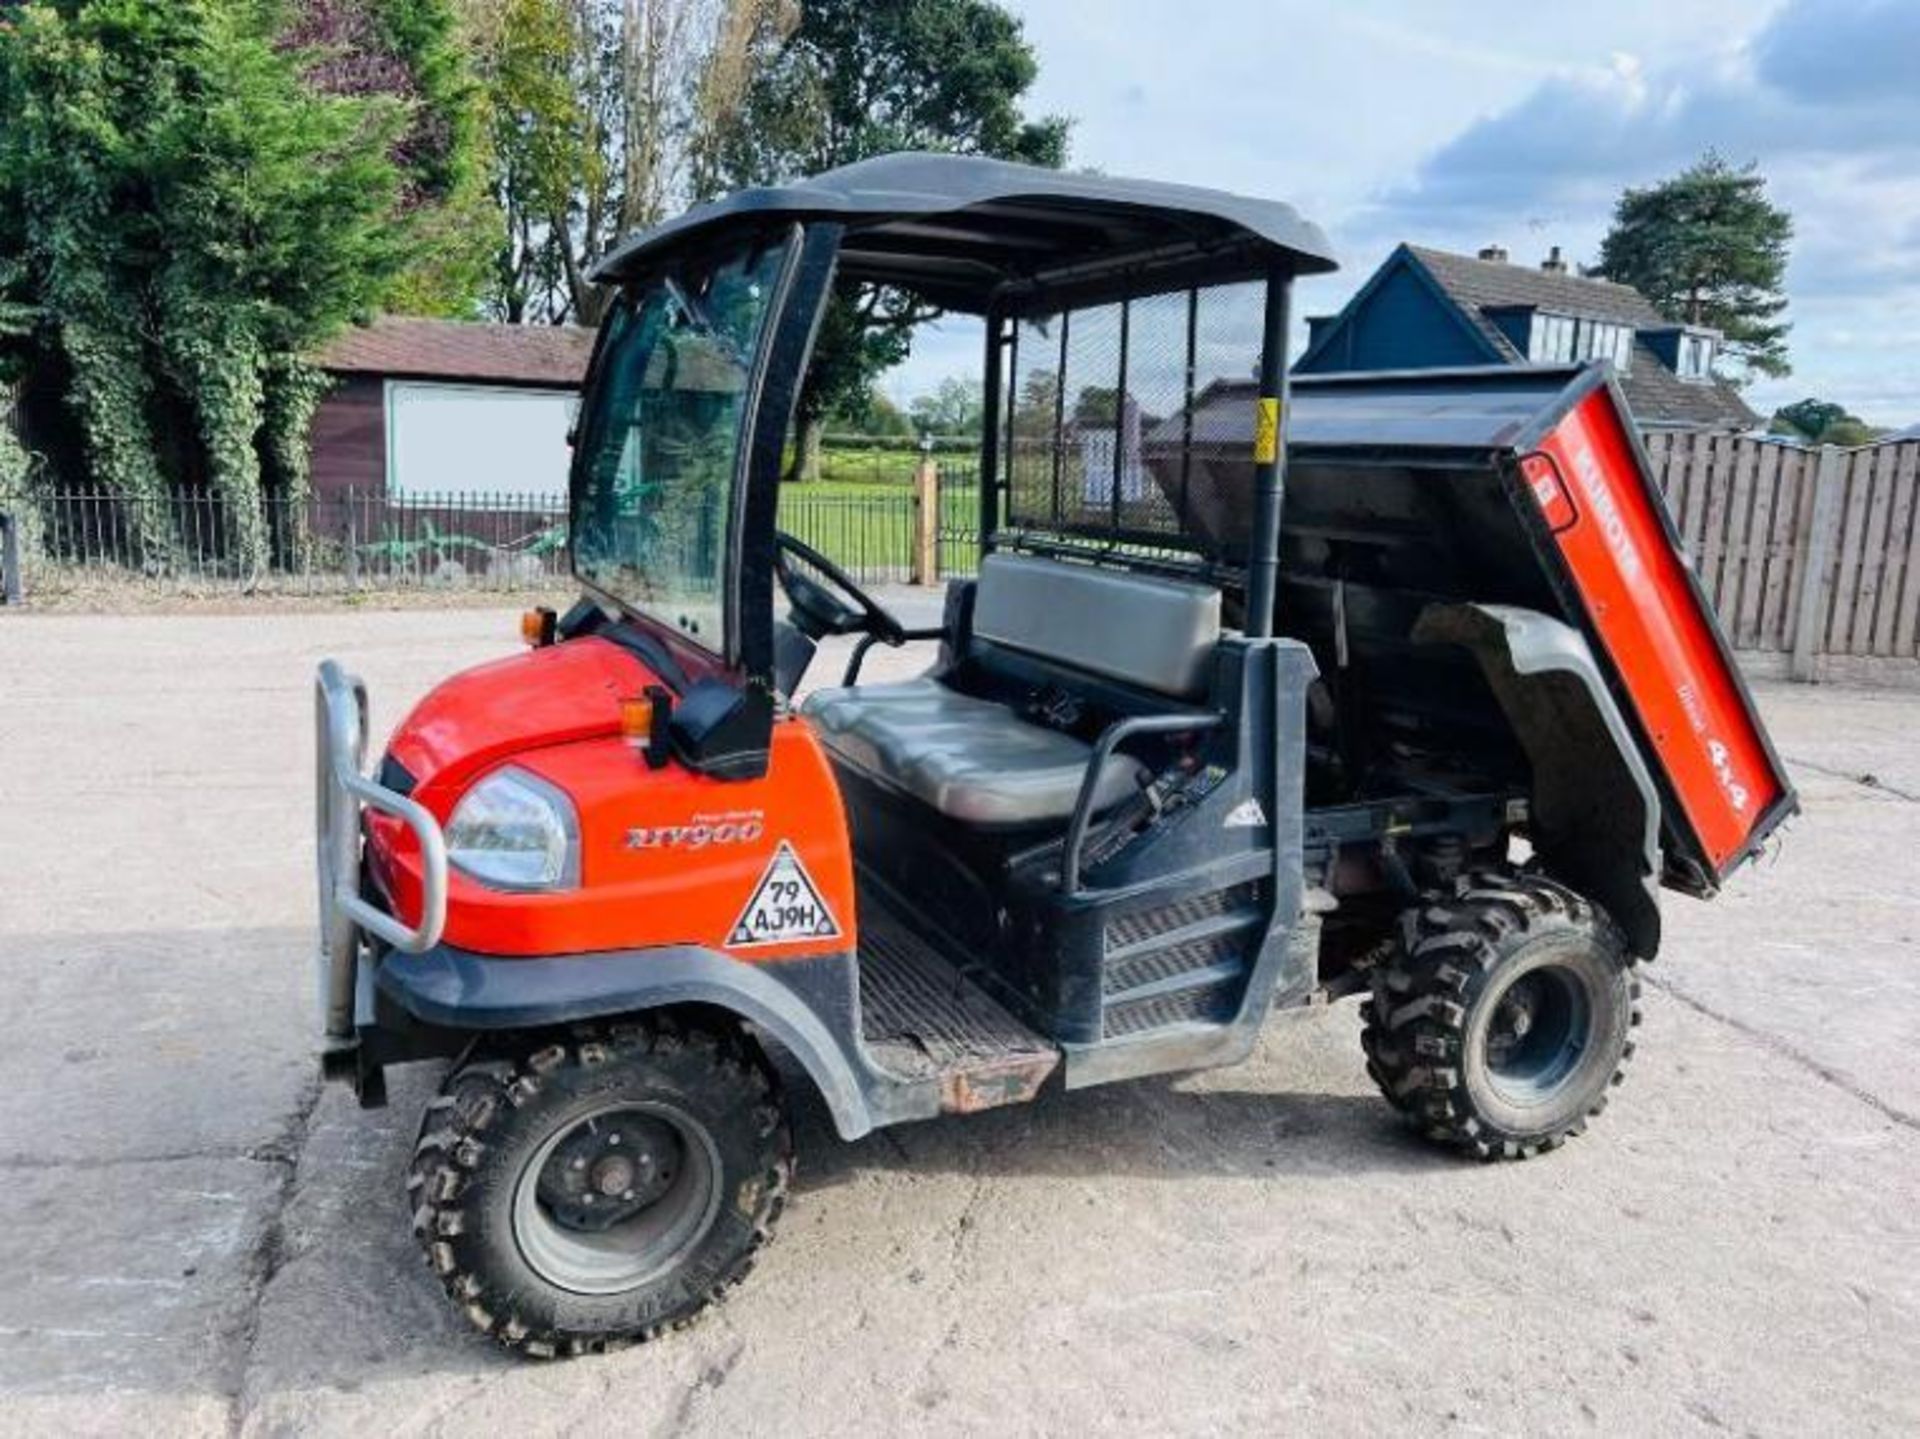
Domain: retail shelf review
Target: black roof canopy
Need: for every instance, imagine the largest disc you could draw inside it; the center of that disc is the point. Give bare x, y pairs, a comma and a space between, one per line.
973, 234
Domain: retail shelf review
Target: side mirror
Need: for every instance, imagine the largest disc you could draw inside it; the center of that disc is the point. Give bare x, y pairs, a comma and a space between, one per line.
723, 730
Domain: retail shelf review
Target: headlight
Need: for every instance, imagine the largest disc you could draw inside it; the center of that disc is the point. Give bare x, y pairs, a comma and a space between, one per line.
515, 831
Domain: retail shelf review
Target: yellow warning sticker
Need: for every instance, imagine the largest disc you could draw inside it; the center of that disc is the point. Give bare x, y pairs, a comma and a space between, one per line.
1266, 431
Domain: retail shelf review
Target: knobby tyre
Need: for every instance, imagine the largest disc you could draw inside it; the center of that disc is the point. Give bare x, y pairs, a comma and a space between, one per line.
582, 1191
1503, 1016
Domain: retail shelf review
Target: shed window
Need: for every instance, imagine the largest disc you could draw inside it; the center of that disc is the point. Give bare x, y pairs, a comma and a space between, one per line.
492, 446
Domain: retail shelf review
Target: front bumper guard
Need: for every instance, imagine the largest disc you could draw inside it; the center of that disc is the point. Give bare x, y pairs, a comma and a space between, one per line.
341, 791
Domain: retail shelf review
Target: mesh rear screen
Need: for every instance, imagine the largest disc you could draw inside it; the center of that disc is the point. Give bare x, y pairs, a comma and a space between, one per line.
1102, 419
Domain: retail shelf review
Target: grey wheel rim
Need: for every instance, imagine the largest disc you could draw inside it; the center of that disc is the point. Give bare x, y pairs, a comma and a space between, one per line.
1541, 1027
616, 1196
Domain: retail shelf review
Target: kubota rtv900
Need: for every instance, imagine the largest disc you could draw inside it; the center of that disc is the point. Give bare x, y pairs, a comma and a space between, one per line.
1393, 685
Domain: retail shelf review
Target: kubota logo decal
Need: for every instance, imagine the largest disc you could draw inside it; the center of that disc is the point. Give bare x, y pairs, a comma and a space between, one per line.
1606, 510
733, 827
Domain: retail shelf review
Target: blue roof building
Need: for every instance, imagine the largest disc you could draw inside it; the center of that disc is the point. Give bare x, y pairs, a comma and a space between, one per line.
1427, 309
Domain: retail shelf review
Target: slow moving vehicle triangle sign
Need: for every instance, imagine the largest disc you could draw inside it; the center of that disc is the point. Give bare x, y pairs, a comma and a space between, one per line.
786, 906
1246, 815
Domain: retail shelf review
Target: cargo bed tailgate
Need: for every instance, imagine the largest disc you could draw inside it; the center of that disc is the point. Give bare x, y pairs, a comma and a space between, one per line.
1614, 546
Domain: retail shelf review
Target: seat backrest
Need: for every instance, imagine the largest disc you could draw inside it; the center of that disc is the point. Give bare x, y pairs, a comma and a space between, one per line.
1154, 633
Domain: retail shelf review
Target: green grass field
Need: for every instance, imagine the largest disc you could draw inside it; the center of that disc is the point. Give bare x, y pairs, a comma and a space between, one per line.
868, 526
885, 462
867, 466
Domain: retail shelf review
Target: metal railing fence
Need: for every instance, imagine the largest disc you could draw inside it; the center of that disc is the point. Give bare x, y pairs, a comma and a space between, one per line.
957, 527
323, 544
870, 534
354, 541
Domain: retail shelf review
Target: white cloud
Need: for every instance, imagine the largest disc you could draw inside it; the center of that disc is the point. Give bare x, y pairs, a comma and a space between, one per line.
1520, 122
1823, 97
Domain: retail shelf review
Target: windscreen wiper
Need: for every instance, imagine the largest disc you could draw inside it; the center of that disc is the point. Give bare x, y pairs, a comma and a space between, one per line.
701, 316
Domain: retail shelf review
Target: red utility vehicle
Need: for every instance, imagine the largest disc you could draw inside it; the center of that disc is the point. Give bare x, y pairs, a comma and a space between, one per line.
1385, 685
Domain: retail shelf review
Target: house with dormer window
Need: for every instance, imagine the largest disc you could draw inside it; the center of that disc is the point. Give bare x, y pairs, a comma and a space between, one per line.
1425, 309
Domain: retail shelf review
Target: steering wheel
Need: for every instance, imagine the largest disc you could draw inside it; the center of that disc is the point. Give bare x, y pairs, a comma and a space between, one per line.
820, 611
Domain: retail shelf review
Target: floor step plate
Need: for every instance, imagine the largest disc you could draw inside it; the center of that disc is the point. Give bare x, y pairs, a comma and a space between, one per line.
924, 1021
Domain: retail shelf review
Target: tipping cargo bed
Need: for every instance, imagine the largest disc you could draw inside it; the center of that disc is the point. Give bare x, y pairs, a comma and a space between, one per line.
1511, 485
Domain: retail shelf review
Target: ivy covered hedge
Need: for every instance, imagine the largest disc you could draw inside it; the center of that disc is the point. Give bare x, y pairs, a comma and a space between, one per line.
196, 194
14, 497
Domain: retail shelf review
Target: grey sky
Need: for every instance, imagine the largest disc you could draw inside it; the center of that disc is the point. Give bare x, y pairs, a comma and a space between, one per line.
1458, 124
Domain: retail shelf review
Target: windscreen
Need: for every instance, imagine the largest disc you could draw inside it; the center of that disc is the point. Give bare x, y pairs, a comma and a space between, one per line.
660, 438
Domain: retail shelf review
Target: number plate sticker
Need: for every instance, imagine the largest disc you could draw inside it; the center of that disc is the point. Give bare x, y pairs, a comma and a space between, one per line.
786, 906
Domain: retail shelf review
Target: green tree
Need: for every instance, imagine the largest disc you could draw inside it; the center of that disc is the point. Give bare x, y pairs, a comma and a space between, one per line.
550, 169
1709, 248
952, 407
883, 417
857, 79
602, 115
187, 213
1822, 422
1037, 407
16, 465
871, 414
418, 53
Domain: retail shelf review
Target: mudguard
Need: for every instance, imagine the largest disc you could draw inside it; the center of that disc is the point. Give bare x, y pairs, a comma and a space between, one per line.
807, 1005
1596, 810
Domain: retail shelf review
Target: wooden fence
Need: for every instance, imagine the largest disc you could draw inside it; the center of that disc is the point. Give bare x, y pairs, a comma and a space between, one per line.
1807, 554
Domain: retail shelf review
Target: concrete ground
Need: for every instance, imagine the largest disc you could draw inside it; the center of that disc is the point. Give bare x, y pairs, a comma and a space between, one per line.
195, 1238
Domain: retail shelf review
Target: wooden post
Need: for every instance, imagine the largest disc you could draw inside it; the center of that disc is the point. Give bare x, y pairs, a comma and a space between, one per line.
926, 520
1822, 529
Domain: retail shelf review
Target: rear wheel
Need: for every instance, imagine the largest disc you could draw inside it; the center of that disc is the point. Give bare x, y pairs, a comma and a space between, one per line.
600, 1187
1504, 1015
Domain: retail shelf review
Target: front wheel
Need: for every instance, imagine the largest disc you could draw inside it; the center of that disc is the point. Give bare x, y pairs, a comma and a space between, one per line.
600, 1187
1503, 1016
